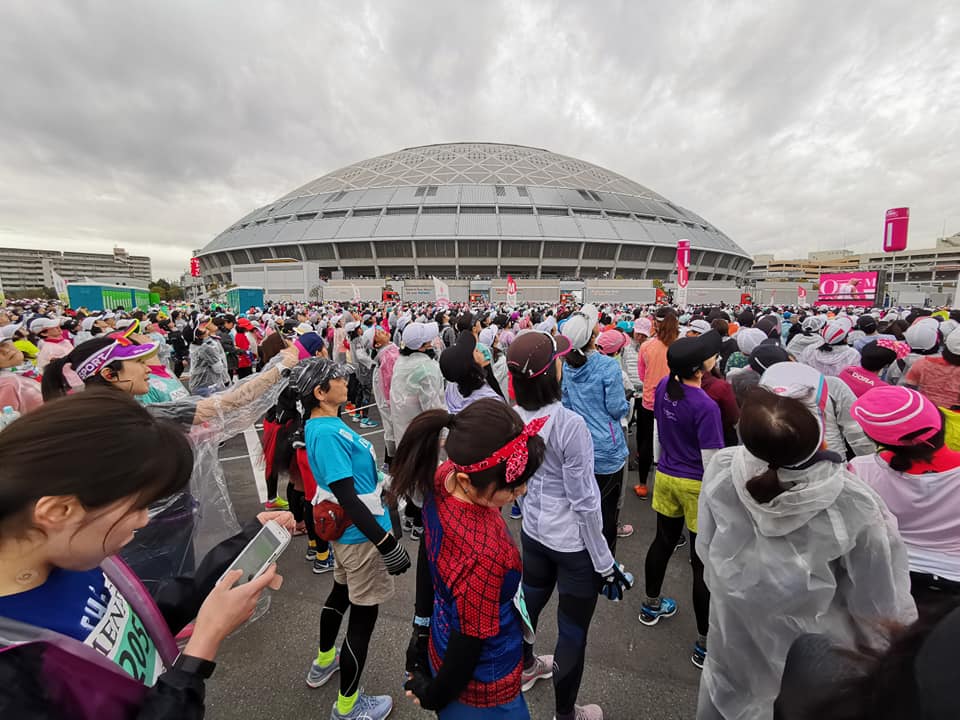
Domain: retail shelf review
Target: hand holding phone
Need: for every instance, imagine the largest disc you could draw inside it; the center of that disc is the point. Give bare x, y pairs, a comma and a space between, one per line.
260, 553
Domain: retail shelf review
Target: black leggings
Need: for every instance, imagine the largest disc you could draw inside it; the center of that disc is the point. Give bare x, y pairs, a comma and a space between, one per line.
296, 499
578, 584
658, 557
610, 486
644, 443
306, 506
353, 654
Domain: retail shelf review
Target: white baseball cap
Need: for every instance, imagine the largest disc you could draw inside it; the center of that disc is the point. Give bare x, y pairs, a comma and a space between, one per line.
40, 324
416, 335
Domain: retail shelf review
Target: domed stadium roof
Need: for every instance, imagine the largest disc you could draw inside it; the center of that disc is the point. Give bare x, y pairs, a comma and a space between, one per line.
473, 164
482, 209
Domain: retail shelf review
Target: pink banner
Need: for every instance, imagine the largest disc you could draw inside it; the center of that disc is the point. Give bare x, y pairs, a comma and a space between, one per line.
895, 229
683, 263
853, 288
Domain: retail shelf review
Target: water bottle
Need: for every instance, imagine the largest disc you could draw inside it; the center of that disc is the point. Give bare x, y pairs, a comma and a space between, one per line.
8, 416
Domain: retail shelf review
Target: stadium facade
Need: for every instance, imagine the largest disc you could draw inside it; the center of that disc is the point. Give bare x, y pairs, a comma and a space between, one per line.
476, 210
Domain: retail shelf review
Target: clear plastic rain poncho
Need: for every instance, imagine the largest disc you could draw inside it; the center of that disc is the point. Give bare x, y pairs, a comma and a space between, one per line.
417, 386
822, 557
184, 527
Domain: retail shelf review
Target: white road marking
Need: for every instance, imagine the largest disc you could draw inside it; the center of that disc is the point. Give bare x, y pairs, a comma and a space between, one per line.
254, 450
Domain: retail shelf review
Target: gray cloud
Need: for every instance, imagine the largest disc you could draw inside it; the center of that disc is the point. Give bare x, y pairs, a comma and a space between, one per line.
790, 125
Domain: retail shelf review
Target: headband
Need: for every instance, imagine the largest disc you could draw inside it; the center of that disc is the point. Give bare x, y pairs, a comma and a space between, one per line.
900, 348
514, 453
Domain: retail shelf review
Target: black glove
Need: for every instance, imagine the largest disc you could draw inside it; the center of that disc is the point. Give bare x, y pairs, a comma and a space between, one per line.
615, 582
394, 555
419, 684
418, 654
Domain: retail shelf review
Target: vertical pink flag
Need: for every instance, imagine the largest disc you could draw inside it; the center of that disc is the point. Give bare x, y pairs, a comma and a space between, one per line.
683, 263
895, 229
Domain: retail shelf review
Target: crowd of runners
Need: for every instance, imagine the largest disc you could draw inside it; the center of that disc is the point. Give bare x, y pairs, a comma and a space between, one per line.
807, 458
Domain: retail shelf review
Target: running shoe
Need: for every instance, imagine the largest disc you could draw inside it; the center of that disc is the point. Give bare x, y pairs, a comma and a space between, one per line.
416, 532
278, 503
650, 616
699, 655
311, 554
408, 525
642, 491
367, 707
515, 512
322, 566
318, 676
682, 542
356, 417
624, 530
349, 407
541, 669
586, 712
367, 422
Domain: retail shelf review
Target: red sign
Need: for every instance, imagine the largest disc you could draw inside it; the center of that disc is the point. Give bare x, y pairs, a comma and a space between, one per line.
854, 288
511, 285
746, 299
801, 292
683, 263
895, 229
195, 267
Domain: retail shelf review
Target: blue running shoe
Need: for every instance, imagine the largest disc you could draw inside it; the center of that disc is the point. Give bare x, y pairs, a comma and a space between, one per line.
515, 512
367, 707
318, 676
699, 655
322, 566
651, 616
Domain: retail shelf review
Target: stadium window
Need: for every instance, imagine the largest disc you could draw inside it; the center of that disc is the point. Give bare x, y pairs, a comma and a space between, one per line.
432, 191
439, 210
510, 210
618, 215
478, 209
367, 212
589, 213
648, 218
501, 190
306, 216
420, 191
596, 196
584, 194
402, 211
335, 214
552, 211
672, 221
522, 191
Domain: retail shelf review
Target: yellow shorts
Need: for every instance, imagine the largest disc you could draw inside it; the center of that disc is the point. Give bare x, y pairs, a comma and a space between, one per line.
676, 497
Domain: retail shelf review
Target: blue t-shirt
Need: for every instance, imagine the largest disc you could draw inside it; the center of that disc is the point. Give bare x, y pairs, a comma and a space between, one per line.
87, 607
685, 427
336, 452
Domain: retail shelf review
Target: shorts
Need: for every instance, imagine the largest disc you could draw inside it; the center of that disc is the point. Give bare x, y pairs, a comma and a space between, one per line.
360, 567
516, 709
676, 497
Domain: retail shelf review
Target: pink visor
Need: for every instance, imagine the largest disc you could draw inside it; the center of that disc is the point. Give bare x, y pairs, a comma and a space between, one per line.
890, 413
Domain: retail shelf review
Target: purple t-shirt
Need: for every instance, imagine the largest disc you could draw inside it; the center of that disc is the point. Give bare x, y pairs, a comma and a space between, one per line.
685, 427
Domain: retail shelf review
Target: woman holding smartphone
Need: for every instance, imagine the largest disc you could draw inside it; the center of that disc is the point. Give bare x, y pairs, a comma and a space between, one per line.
80, 637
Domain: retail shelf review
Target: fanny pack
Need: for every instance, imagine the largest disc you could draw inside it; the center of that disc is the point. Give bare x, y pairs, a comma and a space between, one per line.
330, 520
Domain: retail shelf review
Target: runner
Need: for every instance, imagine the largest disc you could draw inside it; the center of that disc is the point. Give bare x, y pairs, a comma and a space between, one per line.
476, 648
366, 554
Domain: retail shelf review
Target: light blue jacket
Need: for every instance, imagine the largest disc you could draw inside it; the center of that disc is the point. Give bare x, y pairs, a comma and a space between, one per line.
595, 391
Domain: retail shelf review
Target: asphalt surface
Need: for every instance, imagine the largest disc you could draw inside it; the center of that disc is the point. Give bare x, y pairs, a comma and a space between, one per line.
632, 671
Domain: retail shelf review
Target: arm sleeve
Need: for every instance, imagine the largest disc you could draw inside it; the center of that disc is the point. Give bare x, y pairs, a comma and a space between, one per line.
346, 494
423, 601
455, 673
614, 396
582, 493
850, 428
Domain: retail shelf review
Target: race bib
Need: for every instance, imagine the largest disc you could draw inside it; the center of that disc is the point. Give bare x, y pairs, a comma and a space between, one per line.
529, 634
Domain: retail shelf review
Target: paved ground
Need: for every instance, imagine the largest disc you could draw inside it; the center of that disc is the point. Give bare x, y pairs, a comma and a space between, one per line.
632, 671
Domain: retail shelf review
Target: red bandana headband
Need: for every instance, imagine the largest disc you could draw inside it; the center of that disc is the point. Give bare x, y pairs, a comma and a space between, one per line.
514, 453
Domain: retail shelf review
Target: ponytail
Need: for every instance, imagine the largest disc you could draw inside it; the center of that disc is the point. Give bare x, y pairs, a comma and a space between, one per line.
674, 387
415, 462
54, 384
765, 486
575, 358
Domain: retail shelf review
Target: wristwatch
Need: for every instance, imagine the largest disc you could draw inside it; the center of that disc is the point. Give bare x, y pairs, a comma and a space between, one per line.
195, 666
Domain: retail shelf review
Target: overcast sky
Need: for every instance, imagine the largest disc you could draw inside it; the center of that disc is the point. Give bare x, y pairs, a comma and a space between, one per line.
791, 126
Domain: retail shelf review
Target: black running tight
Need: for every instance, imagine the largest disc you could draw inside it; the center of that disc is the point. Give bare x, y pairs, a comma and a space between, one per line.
658, 557
353, 654
645, 424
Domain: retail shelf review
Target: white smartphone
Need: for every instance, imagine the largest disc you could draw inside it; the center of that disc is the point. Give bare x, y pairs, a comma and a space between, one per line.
260, 552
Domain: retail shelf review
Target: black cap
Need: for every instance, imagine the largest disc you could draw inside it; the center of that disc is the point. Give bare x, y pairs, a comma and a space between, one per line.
867, 323
766, 354
457, 359
691, 352
770, 325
